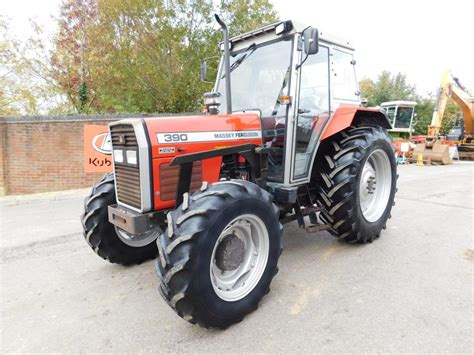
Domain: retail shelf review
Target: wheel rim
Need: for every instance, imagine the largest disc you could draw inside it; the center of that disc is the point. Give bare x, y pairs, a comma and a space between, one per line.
139, 240
239, 257
375, 185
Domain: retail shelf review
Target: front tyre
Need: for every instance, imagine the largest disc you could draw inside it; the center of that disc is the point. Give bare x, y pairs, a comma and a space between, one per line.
356, 180
219, 253
108, 242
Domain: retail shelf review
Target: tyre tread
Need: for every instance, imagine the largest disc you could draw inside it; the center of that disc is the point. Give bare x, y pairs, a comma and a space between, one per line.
338, 164
178, 246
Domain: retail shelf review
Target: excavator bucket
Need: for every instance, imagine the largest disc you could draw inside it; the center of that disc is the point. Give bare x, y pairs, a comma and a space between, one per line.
438, 153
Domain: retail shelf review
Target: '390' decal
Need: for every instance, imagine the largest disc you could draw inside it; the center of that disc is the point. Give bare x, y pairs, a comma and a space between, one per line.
175, 137
207, 136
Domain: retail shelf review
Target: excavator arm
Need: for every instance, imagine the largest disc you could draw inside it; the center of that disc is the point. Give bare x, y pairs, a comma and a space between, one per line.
451, 88
467, 107
440, 106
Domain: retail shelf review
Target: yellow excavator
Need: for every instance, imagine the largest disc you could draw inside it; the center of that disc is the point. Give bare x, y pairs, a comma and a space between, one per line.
436, 150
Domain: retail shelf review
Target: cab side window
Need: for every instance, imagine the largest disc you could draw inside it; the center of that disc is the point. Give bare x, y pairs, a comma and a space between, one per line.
343, 79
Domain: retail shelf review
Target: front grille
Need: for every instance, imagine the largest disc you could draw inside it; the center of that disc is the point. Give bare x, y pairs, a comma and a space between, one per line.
127, 177
169, 176
123, 135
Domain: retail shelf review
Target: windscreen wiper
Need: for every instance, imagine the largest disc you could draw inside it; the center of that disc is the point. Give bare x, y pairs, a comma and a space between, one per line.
247, 53
283, 85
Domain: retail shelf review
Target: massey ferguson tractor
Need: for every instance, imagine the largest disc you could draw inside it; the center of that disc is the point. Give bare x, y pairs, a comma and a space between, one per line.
283, 139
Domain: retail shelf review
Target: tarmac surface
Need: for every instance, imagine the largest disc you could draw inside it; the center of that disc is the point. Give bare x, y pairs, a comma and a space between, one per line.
410, 291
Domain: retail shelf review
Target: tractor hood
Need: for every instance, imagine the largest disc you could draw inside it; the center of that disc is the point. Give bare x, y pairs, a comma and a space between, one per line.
177, 135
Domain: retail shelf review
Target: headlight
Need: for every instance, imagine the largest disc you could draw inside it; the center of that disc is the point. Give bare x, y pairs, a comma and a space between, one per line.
212, 101
118, 156
131, 157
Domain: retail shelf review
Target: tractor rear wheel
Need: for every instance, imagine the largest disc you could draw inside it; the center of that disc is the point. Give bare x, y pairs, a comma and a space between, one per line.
219, 253
356, 178
108, 242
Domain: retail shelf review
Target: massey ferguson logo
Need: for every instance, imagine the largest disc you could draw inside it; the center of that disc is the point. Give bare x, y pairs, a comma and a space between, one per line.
121, 139
102, 143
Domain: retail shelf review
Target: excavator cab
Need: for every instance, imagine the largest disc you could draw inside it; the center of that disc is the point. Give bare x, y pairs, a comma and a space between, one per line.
402, 118
401, 115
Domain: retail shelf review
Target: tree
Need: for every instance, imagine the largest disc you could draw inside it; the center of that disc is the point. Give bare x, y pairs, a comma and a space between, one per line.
424, 114
70, 57
387, 87
125, 56
390, 87
15, 98
27, 85
145, 55
246, 15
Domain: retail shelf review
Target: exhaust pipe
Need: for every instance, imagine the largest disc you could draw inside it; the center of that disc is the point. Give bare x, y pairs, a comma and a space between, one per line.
226, 64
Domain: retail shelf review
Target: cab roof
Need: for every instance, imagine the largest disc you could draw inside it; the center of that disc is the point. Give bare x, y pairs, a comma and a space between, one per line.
399, 103
267, 33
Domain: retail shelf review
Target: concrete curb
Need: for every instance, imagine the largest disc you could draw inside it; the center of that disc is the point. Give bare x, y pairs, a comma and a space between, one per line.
44, 196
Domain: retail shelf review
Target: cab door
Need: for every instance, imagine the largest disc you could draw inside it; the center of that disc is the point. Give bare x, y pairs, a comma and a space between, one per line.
312, 114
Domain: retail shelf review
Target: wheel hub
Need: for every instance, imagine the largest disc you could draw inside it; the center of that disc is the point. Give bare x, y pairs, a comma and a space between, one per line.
138, 240
373, 198
371, 184
239, 257
230, 253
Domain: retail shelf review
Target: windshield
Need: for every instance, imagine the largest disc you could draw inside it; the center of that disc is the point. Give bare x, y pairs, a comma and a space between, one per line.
455, 131
259, 76
390, 113
404, 115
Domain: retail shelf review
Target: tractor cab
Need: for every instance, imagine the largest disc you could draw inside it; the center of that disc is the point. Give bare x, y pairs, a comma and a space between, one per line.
294, 77
401, 115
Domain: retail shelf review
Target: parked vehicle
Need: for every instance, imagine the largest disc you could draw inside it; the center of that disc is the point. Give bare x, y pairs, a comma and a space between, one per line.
401, 115
283, 139
433, 146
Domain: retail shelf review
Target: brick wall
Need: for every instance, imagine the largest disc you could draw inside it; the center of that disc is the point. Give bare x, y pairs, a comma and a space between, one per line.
2, 160
40, 154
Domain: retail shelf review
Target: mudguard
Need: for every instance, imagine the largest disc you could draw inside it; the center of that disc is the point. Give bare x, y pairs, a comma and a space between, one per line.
346, 116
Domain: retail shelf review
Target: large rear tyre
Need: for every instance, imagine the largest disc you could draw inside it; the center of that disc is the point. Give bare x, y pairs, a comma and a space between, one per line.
219, 253
356, 178
105, 240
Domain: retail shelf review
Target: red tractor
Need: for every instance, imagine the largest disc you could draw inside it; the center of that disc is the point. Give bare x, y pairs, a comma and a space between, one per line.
207, 194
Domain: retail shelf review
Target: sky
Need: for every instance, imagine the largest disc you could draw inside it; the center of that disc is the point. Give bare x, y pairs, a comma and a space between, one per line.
417, 38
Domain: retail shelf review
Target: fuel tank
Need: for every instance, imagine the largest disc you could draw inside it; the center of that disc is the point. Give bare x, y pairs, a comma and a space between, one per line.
178, 135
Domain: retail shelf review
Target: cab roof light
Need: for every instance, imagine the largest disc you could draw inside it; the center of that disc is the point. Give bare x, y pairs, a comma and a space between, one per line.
221, 46
283, 27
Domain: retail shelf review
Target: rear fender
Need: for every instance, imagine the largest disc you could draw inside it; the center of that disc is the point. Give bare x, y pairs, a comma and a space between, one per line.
347, 116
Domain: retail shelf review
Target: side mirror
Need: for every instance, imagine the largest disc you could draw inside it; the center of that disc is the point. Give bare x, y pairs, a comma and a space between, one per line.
311, 40
203, 70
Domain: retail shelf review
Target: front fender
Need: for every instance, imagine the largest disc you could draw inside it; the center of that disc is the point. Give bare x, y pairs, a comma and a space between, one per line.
347, 116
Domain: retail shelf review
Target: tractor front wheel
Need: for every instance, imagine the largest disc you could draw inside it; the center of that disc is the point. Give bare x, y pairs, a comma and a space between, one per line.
356, 178
108, 242
219, 253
